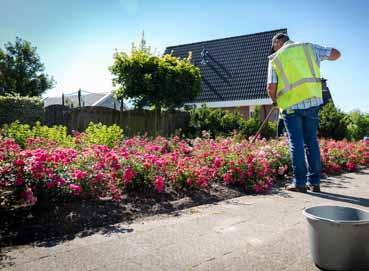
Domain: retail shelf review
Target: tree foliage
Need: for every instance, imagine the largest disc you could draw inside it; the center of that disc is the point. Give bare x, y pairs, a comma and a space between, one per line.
332, 122
149, 80
25, 109
358, 126
220, 122
21, 70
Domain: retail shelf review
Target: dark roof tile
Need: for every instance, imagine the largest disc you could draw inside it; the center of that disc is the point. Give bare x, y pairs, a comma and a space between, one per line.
236, 67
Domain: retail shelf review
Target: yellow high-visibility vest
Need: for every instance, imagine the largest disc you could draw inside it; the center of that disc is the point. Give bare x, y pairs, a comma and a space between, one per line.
298, 74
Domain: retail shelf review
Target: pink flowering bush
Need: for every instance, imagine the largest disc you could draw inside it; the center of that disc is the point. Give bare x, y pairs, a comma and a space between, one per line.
44, 171
340, 156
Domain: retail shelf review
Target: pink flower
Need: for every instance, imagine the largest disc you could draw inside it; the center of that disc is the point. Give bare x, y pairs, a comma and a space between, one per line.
19, 163
124, 153
76, 189
60, 181
258, 188
189, 181
50, 184
28, 196
217, 162
98, 178
227, 178
159, 184
19, 181
128, 175
282, 169
351, 166
79, 174
250, 171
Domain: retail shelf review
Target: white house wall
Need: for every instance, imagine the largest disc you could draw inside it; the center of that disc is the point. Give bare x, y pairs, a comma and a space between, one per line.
224, 104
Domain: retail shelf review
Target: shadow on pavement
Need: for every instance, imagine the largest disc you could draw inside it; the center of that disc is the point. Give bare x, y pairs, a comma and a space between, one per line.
52, 224
49, 226
343, 198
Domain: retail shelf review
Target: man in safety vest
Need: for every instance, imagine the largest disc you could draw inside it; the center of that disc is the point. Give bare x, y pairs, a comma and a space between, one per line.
294, 85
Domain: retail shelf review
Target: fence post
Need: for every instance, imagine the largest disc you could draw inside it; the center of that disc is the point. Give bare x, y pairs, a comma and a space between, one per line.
121, 105
79, 97
63, 99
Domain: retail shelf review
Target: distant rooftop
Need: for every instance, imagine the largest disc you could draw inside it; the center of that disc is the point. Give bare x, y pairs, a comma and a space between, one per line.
71, 99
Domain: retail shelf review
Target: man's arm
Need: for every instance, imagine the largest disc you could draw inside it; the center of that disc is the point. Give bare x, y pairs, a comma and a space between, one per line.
272, 83
272, 91
334, 55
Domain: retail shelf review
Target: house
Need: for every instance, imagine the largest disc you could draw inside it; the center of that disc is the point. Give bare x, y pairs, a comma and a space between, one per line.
87, 99
234, 71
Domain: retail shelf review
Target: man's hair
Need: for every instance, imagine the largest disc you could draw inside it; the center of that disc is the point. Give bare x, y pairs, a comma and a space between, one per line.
281, 36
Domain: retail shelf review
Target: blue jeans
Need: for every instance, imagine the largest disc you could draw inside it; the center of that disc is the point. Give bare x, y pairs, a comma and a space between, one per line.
302, 127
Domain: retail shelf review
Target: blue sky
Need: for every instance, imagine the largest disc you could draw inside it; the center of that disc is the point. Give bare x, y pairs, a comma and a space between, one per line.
76, 39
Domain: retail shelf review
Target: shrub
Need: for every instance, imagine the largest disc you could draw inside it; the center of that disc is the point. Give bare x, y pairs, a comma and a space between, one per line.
95, 134
270, 130
251, 126
102, 135
23, 132
358, 125
24, 109
223, 123
332, 122
218, 122
19, 132
50, 173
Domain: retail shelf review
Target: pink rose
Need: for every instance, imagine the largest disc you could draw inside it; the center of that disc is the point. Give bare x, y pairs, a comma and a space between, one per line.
128, 175
218, 162
19, 181
19, 163
227, 178
79, 174
28, 196
76, 189
159, 184
189, 181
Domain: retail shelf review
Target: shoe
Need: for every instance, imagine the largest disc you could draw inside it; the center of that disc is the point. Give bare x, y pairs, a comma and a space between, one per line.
295, 188
314, 187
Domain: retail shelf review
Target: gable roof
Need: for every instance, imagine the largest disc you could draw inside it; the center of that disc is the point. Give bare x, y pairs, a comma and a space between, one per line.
88, 99
232, 69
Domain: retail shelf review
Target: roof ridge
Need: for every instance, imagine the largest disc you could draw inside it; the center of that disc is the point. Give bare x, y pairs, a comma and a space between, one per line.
227, 38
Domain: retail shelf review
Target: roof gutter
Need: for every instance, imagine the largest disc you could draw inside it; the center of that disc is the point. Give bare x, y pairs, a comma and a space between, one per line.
237, 103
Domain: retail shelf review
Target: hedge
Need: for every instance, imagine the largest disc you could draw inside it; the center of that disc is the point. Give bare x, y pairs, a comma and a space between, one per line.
25, 109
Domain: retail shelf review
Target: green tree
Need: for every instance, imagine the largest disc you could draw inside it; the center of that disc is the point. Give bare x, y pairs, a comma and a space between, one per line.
21, 70
332, 122
358, 126
142, 46
161, 81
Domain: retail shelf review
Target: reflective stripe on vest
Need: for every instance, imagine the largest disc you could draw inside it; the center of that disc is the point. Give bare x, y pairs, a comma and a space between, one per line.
301, 81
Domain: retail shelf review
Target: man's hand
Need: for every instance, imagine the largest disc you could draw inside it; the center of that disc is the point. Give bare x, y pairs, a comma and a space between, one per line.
272, 91
335, 54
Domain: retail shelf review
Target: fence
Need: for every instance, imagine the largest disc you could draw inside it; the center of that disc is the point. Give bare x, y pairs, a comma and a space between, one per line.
133, 122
